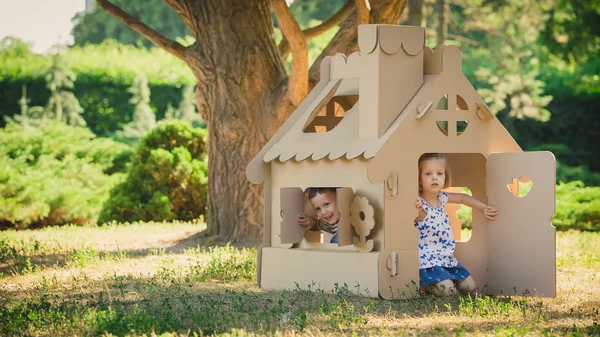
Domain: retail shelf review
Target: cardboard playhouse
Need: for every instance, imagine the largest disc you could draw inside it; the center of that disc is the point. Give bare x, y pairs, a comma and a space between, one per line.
361, 130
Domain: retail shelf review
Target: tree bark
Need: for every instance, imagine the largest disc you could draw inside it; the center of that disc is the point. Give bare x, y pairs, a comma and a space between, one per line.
415, 12
241, 82
243, 93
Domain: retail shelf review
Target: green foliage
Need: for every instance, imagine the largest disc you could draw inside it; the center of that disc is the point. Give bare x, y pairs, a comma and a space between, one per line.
24, 118
186, 110
143, 117
167, 179
505, 62
54, 175
12, 47
577, 207
97, 25
517, 75
572, 29
100, 86
62, 104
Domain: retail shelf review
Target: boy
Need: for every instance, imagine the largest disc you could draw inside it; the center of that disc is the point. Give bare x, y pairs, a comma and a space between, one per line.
324, 201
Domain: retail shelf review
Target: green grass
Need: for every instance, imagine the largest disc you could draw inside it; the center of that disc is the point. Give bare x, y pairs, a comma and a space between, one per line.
145, 279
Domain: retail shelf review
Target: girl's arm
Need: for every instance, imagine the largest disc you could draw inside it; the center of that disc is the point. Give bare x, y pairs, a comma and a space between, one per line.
489, 212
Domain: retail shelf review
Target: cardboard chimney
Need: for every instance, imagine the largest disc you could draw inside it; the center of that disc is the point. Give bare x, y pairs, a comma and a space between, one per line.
362, 129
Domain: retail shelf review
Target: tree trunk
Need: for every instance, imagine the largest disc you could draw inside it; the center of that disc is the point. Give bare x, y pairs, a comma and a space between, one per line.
415, 12
441, 26
240, 82
242, 92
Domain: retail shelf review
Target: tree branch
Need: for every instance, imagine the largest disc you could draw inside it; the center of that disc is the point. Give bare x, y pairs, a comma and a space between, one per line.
345, 40
363, 9
134, 23
312, 32
333, 21
298, 80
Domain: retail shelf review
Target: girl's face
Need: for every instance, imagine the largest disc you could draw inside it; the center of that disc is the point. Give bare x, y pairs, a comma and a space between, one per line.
326, 207
433, 175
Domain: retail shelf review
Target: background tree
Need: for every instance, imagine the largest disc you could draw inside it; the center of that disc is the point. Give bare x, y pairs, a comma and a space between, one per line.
62, 104
572, 29
27, 115
186, 110
143, 119
97, 25
243, 92
415, 13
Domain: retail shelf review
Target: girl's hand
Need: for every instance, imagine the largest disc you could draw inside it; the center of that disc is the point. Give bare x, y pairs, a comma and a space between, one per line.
490, 212
306, 221
422, 212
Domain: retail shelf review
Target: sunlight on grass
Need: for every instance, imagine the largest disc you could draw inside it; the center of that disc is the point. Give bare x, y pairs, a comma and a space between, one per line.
155, 278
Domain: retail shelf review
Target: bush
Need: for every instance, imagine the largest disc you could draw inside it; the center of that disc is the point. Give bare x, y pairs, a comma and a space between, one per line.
104, 73
577, 207
56, 175
167, 178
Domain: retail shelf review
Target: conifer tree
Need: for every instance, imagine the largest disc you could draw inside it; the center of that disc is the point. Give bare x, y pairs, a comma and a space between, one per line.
28, 116
62, 104
187, 108
143, 119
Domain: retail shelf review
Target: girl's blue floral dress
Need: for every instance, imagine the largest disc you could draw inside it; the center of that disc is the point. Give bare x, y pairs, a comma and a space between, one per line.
436, 246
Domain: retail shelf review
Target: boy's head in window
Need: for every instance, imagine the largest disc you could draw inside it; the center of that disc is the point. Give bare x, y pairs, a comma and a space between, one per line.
324, 201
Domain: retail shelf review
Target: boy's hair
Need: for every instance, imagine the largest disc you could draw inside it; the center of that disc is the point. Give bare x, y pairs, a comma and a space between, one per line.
313, 191
429, 156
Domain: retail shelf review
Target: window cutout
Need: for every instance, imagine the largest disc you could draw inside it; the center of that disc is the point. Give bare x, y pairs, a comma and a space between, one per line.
461, 104
461, 126
520, 187
443, 103
326, 203
443, 127
331, 114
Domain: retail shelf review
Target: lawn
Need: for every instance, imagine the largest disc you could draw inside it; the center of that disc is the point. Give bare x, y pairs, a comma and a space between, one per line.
155, 279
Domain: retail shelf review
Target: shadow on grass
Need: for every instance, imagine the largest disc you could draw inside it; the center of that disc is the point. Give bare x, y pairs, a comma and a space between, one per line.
153, 305
20, 261
173, 304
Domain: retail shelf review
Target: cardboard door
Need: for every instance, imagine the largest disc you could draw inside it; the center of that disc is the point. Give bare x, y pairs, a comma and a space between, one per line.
292, 204
522, 240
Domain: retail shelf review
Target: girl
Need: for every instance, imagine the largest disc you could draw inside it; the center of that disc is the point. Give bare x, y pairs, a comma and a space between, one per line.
439, 271
324, 201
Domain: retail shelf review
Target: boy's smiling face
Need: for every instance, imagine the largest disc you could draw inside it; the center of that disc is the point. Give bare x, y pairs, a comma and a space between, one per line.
325, 205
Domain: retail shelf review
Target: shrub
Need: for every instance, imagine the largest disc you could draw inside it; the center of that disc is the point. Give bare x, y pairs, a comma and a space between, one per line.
577, 207
104, 73
55, 175
167, 178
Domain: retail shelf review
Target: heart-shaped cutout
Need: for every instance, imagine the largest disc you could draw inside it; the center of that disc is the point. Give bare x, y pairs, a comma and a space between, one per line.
521, 186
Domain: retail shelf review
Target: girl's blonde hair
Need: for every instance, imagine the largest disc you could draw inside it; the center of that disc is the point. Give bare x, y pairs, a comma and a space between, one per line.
430, 156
